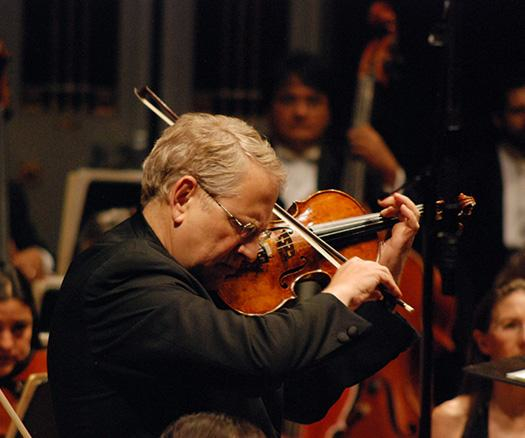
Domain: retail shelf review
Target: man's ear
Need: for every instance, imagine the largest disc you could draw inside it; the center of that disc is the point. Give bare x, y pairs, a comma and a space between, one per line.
481, 340
179, 197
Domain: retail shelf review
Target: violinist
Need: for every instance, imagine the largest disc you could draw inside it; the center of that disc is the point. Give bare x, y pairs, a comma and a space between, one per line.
140, 338
19, 347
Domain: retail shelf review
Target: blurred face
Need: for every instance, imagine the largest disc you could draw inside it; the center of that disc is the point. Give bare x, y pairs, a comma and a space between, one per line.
506, 334
299, 114
513, 120
221, 246
16, 326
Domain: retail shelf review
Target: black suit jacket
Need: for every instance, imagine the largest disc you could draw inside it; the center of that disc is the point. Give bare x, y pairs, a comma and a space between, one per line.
137, 342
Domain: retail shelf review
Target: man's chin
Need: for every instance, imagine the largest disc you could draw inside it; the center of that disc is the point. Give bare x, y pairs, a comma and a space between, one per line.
301, 141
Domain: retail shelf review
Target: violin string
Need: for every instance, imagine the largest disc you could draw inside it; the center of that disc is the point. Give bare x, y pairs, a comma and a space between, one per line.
367, 222
357, 227
318, 244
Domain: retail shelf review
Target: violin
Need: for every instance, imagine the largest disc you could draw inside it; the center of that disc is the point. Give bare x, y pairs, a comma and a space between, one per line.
322, 247
285, 258
298, 244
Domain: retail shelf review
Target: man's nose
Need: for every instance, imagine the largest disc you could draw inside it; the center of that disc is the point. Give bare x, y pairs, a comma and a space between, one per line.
250, 249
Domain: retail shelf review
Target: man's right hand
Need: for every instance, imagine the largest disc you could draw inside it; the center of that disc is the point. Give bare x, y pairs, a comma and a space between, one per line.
358, 280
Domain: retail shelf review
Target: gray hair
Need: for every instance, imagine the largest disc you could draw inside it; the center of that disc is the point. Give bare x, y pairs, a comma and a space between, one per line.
214, 149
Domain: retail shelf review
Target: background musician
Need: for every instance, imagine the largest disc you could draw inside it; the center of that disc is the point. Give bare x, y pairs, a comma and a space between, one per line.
301, 107
496, 178
19, 347
486, 408
140, 338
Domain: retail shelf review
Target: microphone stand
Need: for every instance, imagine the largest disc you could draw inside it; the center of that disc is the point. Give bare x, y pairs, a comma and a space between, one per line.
443, 39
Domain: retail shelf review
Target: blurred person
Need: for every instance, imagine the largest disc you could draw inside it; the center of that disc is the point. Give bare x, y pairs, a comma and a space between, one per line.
496, 179
211, 425
301, 105
20, 353
513, 268
99, 223
488, 408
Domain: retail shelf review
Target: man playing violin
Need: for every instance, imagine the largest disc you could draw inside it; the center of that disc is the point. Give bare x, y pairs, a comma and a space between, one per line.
140, 339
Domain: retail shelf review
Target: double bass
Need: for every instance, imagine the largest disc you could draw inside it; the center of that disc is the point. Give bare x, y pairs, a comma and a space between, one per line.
377, 61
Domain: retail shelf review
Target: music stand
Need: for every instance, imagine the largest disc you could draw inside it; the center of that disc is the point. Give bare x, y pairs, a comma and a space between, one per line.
87, 191
34, 408
498, 369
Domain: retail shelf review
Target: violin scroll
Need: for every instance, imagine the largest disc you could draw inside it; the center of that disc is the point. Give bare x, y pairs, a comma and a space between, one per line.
455, 212
467, 204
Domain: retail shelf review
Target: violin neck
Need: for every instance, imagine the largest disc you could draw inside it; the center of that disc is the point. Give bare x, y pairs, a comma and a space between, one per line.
355, 229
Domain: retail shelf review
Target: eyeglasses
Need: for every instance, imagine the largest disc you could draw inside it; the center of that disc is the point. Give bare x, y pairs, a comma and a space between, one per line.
246, 231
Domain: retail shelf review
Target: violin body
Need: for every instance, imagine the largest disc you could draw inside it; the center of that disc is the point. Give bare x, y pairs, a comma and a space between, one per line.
285, 258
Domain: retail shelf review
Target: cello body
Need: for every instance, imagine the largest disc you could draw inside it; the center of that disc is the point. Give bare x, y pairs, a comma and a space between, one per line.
387, 404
